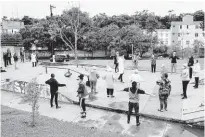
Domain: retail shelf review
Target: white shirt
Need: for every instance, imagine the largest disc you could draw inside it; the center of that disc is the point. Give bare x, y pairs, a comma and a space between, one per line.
135, 77
33, 57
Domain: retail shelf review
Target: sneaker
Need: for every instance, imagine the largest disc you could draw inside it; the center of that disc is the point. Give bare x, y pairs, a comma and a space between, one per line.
128, 121
108, 96
160, 110
51, 105
182, 94
184, 98
165, 109
138, 123
58, 107
112, 96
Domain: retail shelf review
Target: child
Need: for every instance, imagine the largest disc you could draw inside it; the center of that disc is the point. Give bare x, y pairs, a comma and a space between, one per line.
82, 94
93, 77
164, 91
134, 92
109, 78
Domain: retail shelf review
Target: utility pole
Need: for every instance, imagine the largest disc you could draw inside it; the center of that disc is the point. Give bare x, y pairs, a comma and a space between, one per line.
51, 8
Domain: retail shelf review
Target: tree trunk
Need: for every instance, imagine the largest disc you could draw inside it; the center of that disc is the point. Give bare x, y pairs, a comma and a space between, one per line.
75, 50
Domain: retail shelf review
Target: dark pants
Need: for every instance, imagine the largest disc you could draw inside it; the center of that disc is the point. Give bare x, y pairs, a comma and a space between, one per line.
82, 104
190, 72
184, 85
34, 64
196, 82
120, 77
153, 68
110, 91
5, 62
56, 98
9, 60
130, 108
163, 102
116, 67
22, 58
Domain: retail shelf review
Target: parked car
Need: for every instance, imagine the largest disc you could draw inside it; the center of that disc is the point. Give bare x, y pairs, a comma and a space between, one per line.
61, 58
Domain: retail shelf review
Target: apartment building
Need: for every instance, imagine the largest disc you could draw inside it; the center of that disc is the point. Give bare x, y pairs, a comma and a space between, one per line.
11, 26
184, 32
164, 36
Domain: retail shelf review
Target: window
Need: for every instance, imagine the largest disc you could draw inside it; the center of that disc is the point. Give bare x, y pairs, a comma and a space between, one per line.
179, 34
173, 33
196, 34
173, 26
180, 26
187, 42
187, 26
196, 27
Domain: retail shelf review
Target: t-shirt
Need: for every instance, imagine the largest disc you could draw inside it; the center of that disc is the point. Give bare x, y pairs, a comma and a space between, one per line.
134, 95
174, 59
109, 79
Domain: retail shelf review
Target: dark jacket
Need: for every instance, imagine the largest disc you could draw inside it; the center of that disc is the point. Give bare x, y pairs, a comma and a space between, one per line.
54, 85
174, 59
191, 61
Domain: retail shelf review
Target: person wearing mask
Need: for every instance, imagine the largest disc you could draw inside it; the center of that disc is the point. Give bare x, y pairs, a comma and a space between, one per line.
121, 67
82, 94
93, 77
190, 65
173, 62
153, 64
196, 71
164, 91
185, 80
15, 60
54, 89
109, 79
134, 92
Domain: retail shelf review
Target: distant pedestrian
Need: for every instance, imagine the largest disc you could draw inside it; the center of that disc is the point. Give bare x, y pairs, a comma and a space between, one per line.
134, 92
185, 80
15, 60
54, 89
153, 64
121, 67
68, 74
93, 77
190, 65
5, 59
109, 79
116, 63
196, 70
136, 59
33, 59
82, 94
9, 56
174, 62
164, 91
22, 55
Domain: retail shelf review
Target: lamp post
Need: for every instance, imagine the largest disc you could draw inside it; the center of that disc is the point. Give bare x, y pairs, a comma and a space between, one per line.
51, 8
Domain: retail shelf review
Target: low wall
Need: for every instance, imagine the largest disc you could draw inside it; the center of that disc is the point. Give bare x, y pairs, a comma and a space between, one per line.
19, 87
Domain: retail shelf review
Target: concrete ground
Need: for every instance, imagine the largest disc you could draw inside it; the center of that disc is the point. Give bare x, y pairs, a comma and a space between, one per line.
103, 120
178, 109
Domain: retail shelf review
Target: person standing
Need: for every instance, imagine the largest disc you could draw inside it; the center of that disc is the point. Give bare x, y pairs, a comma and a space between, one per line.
164, 91
185, 80
54, 89
153, 64
82, 94
22, 55
116, 62
196, 70
5, 59
9, 57
93, 77
174, 62
109, 79
33, 59
134, 92
121, 67
15, 60
190, 65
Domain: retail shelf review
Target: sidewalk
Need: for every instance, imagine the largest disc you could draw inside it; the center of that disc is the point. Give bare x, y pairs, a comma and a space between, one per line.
177, 108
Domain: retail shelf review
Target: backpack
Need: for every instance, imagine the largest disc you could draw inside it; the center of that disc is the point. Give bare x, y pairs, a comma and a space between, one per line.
165, 88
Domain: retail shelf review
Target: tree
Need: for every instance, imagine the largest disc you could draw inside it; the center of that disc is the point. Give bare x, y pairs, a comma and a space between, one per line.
27, 20
197, 45
32, 95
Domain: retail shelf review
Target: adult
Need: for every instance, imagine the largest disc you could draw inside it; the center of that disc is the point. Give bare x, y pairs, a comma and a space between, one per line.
54, 89
82, 94
196, 70
116, 57
15, 60
93, 77
153, 64
136, 59
164, 91
5, 59
185, 80
190, 65
121, 67
9, 57
173, 62
22, 55
33, 59
134, 92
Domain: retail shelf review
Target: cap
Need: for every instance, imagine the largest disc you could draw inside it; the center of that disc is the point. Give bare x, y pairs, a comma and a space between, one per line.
81, 76
136, 71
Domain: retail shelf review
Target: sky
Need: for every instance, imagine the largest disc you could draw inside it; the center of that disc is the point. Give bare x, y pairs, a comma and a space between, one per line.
40, 9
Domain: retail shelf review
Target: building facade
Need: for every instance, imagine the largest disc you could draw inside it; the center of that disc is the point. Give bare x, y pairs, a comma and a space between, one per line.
11, 26
183, 33
164, 36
